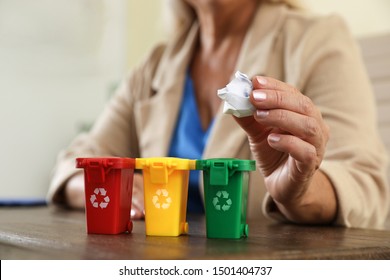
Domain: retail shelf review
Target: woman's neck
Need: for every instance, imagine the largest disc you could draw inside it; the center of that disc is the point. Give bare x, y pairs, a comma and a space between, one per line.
223, 24
222, 30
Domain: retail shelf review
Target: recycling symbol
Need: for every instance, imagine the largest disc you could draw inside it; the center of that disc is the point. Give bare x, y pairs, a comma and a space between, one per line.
222, 196
101, 192
161, 199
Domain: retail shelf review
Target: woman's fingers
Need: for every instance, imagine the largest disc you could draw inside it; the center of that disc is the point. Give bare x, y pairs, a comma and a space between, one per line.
269, 94
304, 127
282, 106
305, 154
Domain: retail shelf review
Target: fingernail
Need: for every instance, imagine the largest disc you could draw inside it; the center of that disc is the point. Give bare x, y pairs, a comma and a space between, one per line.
262, 113
261, 81
259, 95
132, 213
273, 138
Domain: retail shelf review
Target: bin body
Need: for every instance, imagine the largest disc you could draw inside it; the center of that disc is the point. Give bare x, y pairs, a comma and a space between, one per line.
226, 194
108, 193
165, 194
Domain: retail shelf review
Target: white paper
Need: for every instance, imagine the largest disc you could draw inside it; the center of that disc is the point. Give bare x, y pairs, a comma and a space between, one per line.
236, 96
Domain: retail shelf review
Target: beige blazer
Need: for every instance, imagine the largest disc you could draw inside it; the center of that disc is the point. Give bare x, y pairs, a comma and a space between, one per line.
315, 54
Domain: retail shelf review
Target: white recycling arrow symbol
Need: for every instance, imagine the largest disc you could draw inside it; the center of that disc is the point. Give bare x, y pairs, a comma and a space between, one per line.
162, 199
99, 192
224, 195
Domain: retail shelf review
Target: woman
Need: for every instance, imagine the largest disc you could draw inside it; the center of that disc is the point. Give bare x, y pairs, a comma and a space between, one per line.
319, 160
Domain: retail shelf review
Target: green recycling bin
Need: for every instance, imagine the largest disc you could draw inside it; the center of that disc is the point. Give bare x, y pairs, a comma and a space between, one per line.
226, 195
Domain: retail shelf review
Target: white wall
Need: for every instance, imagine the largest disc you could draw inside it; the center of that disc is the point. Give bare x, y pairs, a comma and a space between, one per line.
144, 27
364, 17
58, 59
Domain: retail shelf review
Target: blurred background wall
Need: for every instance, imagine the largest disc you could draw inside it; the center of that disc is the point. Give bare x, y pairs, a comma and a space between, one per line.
61, 59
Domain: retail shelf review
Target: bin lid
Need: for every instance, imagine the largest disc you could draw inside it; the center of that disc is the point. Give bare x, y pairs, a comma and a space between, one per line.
220, 169
160, 168
231, 163
106, 162
166, 162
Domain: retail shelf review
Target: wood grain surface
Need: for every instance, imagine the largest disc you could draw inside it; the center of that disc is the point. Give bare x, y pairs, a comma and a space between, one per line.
55, 233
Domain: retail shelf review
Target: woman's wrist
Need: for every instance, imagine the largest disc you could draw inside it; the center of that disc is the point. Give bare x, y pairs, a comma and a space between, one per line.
318, 205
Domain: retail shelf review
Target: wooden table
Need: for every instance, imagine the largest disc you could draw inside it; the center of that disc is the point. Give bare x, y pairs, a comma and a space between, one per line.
54, 233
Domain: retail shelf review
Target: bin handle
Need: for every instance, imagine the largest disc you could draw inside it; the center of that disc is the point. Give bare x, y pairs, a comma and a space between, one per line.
95, 173
158, 173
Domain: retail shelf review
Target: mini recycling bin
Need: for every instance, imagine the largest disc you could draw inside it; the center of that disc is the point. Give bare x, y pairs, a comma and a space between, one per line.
108, 193
165, 194
226, 194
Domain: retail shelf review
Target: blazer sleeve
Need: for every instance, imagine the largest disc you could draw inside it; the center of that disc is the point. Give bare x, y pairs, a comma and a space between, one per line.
325, 63
113, 133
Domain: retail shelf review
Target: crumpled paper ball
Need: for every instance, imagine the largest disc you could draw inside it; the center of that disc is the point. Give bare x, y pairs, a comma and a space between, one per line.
236, 96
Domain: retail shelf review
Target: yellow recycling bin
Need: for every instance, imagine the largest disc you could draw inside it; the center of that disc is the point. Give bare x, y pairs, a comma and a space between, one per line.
165, 194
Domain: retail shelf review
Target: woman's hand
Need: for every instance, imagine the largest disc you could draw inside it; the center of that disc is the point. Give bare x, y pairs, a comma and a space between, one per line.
137, 207
288, 136
74, 191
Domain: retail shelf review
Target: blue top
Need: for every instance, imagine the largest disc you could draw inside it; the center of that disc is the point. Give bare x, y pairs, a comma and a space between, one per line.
189, 140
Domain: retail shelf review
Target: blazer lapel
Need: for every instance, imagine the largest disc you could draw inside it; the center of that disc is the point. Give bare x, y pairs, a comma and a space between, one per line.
157, 115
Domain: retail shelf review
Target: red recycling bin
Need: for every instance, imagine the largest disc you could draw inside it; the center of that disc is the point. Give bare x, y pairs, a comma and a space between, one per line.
108, 193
